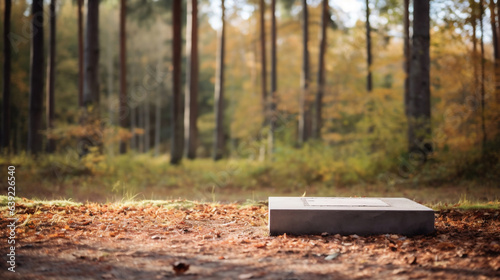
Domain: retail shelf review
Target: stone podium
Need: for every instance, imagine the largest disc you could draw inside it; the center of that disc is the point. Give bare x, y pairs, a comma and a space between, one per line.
345, 216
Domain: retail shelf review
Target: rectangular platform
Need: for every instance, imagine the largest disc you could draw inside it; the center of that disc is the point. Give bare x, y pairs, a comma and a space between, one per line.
361, 216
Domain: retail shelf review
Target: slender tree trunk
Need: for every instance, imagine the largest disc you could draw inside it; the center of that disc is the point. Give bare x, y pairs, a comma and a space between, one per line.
476, 86
407, 53
5, 134
157, 125
123, 72
263, 61
494, 31
80, 54
263, 74
51, 67
110, 82
147, 127
496, 46
419, 132
91, 62
36, 79
255, 62
274, 80
483, 122
191, 96
161, 90
474, 47
219, 92
91, 93
304, 120
140, 124
133, 125
369, 82
176, 149
321, 71
16, 135
497, 84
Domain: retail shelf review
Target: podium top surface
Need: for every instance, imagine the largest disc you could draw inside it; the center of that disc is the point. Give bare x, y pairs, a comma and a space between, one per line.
345, 203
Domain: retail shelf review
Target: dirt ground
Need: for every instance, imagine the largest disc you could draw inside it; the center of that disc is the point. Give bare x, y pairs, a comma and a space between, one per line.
96, 241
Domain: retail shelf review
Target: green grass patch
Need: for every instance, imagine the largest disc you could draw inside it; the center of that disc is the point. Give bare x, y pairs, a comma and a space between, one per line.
462, 204
465, 204
317, 170
169, 204
4, 200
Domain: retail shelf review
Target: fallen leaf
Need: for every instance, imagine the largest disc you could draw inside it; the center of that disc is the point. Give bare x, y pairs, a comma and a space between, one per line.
59, 234
245, 276
260, 245
445, 246
411, 259
399, 271
107, 276
180, 268
462, 254
157, 237
332, 256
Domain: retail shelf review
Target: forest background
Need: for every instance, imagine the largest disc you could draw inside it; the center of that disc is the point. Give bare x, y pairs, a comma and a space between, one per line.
361, 148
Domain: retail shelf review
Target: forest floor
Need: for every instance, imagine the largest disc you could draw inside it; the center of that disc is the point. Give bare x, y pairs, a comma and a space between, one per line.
159, 240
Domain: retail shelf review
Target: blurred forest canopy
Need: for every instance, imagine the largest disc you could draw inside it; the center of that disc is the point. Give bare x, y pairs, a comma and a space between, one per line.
363, 135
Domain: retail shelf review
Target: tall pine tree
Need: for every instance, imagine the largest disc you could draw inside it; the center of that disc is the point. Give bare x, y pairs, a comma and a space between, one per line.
36, 78
176, 150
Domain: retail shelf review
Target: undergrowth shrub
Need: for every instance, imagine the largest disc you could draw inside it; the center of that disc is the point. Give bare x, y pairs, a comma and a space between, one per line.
315, 164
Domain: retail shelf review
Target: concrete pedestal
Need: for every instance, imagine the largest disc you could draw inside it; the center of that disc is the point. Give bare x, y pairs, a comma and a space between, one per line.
361, 216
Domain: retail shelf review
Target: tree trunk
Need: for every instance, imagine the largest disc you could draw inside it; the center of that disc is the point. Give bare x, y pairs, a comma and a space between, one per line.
496, 46
147, 127
494, 31
158, 103
110, 82
321, 71
476, 86
176, 150
133, 140
191, 95
91, 94
304, 120
157, 125
497, 84
274, 80
219, 92
369, 82
407, 54
263, 61
51, 67
5, 133
474, 47
16, 132
140, 124
91, 85
263, 79
483, 122
80, 54
36, 79
419, 132
123, 73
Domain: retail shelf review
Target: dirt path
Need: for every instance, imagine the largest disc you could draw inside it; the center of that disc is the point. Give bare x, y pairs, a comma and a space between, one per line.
230, 242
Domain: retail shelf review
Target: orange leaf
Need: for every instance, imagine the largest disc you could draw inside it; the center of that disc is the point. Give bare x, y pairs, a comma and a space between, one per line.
445, 246
260, 245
